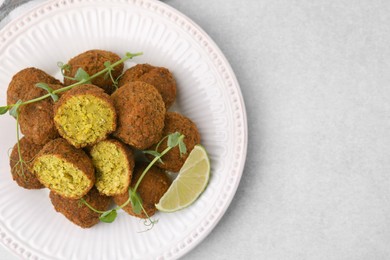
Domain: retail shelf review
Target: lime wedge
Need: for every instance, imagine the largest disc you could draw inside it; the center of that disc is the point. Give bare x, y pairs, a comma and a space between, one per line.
190, 182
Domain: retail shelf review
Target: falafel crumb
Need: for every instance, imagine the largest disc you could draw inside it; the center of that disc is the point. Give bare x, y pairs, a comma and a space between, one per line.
61, 176
84, 119
112, 168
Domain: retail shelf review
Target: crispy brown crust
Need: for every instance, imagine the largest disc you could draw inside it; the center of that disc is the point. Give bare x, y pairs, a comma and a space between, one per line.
28, 151
141, 113
175, 122
159, 77
152, 187
36, 119
36, 122
83, 90
92, 61
78, 212
86, 89
62, 149
126, 150
23, 83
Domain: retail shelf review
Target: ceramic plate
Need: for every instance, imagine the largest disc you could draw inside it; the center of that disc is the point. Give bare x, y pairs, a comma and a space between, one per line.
208, 93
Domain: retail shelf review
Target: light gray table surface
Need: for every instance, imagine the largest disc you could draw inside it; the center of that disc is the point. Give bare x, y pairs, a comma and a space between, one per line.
315, 77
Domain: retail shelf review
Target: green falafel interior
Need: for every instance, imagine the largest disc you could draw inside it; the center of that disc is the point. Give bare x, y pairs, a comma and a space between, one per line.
173, 140
84, 119
61, 176
113, 170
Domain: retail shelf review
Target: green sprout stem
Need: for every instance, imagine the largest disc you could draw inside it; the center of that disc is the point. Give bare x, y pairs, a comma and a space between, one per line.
21, 165
150, 166
90, 207
142, 176
83, 81
18, 136
126, 202
21, 161
14, 108
175, 139
148, 221
159, 143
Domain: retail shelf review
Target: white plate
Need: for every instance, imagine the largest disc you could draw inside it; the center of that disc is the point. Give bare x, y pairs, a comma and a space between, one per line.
208, 93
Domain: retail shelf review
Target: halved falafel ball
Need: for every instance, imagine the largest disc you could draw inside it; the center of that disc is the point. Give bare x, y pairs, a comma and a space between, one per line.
175, 122
64, 169
159, 77
21, 172
114, 163
152, 187
78, 212
85, 115
24, 81
92, 61
36, 119
141, 113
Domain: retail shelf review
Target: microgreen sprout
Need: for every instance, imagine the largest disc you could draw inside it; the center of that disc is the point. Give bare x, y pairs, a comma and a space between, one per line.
107, 64
81, 77
64, 68
21, 164
174, 139
109, 216
48, 89
4, 110
14, 111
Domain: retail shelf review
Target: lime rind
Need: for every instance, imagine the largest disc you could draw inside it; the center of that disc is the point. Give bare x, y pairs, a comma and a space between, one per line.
190, 183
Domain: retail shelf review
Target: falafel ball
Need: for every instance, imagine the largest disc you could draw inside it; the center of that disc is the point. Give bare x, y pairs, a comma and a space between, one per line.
78, 212
159, 77
114, 163
152, 187
85, 115
64, 169
21, 172
175, 122
141, 113
92, 61
36, 119
24, 81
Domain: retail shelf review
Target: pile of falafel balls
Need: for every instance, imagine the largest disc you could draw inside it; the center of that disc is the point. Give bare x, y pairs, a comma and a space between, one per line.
84, 144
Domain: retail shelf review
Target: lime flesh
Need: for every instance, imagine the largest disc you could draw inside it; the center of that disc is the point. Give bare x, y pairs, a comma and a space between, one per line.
189, 184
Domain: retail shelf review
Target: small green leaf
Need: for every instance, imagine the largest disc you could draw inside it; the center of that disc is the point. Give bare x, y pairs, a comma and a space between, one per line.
44, 86
182, 146
14, 111
48, 89
107, 64
152, 152
81, 75
54, 97
3, 110
63, 66
155, 154
108, 216
136, 202
173, 139
132, 55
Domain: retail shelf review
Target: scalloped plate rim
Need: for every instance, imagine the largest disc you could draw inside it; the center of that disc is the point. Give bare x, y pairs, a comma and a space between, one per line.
192, 25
